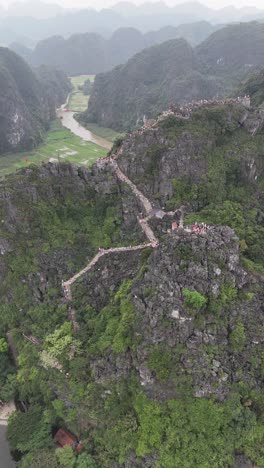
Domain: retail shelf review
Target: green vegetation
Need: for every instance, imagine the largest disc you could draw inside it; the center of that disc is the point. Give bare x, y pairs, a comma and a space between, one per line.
173, 72
79, 80
224, 193
254, 87
193, 432
34, 97
123, 381
161, 362
29, 431
78, 101
237, 337
140, 87
102, 132
194, 299
59, 142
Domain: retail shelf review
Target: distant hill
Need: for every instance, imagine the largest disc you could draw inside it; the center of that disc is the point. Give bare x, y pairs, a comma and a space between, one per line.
234, 50
186, 12
159, 76
91, 53
146, 17
27, 101
149, 82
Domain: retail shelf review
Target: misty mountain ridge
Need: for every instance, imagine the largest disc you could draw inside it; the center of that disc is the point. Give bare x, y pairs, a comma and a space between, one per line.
91, 54
46, 20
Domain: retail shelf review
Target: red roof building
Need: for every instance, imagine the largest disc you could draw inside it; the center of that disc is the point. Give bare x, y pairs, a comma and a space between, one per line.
64, 438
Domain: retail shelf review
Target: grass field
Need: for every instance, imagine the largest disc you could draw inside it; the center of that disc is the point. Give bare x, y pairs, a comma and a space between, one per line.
103, 132
60, 144
78, 102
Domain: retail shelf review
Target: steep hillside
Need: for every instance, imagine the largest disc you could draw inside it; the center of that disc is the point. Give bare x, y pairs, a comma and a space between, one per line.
27, 103
155, 359
234, 50
224, 184
56, 87
219, 64
148, 83
91, 53
254, 87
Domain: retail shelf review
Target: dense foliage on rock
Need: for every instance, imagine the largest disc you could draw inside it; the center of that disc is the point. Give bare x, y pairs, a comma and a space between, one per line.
254, 87
148, 83
166, 366
27, 101
56, 87
123, 96
233, 51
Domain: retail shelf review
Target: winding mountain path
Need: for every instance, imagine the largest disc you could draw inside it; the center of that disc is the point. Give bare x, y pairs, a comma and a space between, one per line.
153, 241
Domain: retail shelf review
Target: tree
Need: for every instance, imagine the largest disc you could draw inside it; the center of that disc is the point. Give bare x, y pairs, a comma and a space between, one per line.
237, 337
3, 346
86, 461
60, 343
194, 300
41, 459
87, 87
7, 390
29, 431
66, 456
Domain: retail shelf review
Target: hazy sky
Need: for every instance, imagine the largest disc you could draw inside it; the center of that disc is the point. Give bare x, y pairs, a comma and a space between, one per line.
105, 3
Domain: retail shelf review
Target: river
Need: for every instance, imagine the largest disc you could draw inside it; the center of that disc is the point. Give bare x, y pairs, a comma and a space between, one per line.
69, 122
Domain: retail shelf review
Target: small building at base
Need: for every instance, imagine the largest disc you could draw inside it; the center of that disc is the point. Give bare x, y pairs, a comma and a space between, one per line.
64, 438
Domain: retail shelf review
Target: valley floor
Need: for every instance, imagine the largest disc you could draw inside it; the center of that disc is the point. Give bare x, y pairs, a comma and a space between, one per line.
60, 144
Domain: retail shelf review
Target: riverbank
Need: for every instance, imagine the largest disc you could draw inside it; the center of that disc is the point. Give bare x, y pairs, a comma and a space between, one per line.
78, 102
107, 133
68, 121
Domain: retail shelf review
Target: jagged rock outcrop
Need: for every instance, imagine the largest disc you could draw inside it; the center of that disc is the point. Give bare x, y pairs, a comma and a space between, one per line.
164, 321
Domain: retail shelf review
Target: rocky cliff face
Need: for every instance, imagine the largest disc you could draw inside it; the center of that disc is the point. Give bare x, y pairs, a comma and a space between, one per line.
28, 103
196, 343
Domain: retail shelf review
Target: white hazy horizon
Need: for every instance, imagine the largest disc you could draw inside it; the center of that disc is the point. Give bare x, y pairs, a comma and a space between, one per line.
99, 4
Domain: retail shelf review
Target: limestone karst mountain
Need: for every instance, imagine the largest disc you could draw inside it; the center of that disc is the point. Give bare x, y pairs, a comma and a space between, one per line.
158, 350
91, 53
28, 101
122, 97
148, 83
